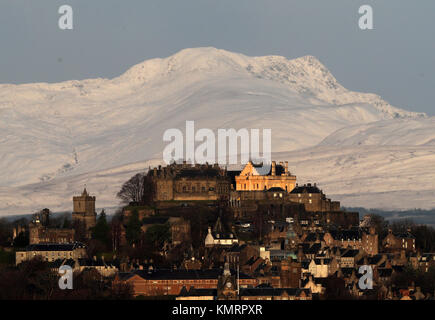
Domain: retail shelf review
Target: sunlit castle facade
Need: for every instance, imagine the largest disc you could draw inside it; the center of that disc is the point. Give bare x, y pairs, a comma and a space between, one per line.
278, 177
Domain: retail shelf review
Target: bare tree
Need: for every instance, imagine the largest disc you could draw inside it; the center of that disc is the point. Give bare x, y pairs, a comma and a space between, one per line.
133, 189
139, 189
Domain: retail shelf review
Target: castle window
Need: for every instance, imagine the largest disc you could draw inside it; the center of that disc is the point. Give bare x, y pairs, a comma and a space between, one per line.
203, 189
184, 188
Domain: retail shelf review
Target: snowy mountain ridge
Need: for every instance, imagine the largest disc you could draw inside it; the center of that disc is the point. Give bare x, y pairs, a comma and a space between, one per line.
58, 137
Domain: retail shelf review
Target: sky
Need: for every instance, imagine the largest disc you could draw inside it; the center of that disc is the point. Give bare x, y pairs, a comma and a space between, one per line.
395, 60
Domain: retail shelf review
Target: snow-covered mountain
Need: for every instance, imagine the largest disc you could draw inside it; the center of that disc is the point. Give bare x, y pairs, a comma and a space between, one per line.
58, 137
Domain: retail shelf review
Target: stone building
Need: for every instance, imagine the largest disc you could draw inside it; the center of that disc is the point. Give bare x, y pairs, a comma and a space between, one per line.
184, 182
357, 238
291, 272
250, 179
180, 230
313, 198
105, 269
220, 235
397, 242
41, 232
51, 251
84, 211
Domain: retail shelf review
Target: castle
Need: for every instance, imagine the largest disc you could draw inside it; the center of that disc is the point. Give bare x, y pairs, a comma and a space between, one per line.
278, 176
184, 182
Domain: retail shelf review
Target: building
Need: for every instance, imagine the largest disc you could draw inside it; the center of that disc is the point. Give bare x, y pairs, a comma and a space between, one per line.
185, 182
349, 258
171, 282
275, 294
251, 179
313, 199
197, 294
41, 232
357, 238
397, 242
84, 211
291, 272
51, 251
319, 268
180, 230
220, 236
227, 286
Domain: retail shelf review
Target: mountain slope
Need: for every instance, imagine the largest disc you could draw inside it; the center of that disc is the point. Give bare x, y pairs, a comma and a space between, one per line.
66, 134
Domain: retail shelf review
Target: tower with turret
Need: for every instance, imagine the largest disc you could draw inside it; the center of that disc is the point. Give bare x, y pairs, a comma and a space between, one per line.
84, 211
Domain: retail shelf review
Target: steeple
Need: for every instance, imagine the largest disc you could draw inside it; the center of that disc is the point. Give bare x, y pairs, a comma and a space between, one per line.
227, 272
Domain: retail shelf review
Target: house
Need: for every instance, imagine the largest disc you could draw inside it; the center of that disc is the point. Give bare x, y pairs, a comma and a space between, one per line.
396, 242
349, 258
319, 268
220, 236
312, 284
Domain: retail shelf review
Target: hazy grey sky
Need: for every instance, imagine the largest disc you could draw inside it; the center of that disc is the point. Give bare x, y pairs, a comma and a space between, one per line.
395, 60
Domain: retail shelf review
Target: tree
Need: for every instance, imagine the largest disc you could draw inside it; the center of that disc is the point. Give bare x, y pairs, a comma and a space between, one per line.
67, 224
5, 231
380, 225
158, 234
21, 240
133, 189
139, 189
133, 229
101, 230
424, 238
116, 228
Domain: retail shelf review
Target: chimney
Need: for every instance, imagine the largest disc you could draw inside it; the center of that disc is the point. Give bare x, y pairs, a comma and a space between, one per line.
286, 167
273, 168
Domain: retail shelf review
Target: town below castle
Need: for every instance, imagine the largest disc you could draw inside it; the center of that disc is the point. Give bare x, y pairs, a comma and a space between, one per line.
202, 232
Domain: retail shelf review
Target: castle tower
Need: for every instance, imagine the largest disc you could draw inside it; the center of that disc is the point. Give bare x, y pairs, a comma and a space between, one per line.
84, 210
